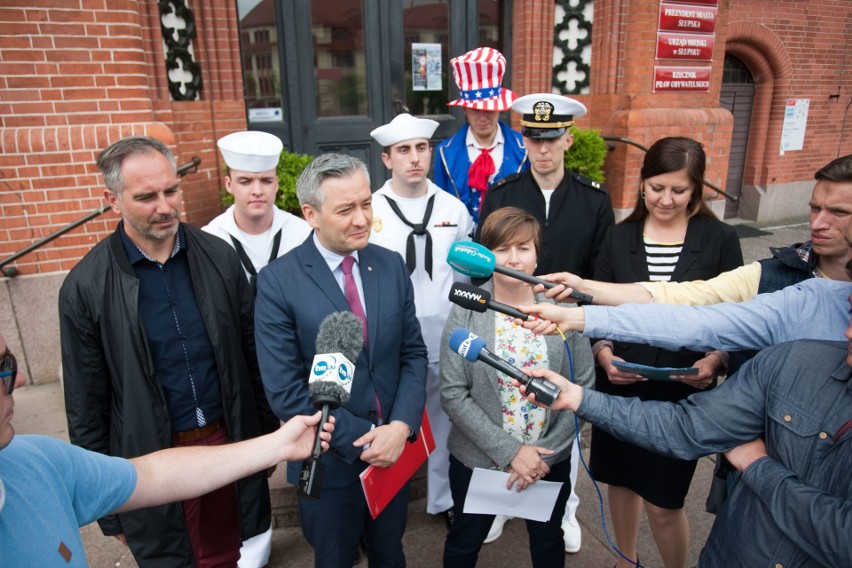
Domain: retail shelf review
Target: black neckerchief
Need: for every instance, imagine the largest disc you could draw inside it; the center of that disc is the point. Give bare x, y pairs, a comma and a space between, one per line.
417, 229
247, 263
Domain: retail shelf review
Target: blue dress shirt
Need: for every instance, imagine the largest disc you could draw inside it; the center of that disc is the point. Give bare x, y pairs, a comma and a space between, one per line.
177, 337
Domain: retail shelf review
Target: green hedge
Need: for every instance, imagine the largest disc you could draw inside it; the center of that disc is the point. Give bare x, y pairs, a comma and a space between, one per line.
586, 156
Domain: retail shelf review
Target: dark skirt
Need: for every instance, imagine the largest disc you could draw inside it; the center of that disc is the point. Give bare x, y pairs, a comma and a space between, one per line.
660, 480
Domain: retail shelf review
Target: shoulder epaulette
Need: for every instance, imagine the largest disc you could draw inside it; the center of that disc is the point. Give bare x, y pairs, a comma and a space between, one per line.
588, 182
503, 181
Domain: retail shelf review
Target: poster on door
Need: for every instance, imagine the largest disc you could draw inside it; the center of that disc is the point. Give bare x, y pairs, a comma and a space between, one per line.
426, 66
795, 122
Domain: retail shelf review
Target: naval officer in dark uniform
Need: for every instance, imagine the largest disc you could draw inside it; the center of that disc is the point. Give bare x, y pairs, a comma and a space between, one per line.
574, 211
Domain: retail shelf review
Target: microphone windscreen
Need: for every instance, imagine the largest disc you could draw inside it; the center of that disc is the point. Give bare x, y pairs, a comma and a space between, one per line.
471, 259
469, 297
324, 390
466, 344
341, 332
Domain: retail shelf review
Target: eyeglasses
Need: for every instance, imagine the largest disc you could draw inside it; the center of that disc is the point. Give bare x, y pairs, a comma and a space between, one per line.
8, 371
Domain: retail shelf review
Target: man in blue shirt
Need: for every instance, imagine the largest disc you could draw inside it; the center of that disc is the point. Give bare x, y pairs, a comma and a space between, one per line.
157, 335
785, 422
48, 488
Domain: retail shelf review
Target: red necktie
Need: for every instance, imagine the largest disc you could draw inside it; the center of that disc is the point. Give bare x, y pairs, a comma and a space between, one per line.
480, 170
350, 289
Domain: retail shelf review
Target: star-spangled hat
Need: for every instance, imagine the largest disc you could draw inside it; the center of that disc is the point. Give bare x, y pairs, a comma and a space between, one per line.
545, 115
479, 77
404, 127
251, 150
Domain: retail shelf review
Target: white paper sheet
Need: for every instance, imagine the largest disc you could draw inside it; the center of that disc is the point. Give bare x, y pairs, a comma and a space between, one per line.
487, 495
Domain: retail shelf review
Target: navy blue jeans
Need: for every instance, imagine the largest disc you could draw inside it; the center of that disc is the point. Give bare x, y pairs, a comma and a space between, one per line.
547, 548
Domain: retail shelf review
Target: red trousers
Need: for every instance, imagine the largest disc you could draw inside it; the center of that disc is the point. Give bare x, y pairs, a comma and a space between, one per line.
213, 520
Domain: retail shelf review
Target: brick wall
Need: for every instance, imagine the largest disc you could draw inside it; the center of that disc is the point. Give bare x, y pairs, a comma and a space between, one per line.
802, 48
77, 75
794, 49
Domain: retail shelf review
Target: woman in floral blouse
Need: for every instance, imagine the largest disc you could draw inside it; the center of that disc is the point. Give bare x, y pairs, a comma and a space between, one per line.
493, 427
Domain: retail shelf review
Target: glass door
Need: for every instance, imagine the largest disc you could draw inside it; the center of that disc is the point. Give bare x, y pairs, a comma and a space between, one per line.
322, 74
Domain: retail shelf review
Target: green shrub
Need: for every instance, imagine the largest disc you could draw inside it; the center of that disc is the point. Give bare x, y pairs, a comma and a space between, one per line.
586, 156
290, 165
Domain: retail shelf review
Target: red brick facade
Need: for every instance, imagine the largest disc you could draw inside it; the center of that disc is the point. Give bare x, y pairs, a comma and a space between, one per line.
77, 75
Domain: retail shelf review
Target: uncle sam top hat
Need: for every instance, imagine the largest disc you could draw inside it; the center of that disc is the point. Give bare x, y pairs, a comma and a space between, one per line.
479, 77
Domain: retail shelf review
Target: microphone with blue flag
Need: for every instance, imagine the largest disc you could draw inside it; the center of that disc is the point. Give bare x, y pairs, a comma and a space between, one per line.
472, 347
476, 261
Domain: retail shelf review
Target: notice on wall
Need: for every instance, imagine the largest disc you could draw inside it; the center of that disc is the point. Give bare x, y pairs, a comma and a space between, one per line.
795, 122
681, 79
426, 66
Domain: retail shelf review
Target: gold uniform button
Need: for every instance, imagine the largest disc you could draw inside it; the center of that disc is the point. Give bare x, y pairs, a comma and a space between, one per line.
779, 565
823, 435
787, 418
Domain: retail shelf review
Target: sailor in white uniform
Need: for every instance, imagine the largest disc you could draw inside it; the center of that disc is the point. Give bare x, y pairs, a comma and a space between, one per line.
414, 217
259, 231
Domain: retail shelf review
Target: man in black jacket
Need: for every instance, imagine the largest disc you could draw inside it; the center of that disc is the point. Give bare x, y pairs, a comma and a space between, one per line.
157, 335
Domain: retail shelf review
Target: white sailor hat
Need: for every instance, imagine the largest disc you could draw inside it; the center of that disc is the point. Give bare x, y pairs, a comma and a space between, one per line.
251, 150
546, 115
404, 127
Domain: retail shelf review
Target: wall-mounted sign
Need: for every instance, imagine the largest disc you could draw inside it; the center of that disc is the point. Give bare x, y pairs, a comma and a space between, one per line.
681, 79
687, 18
695, 47
265, 114
795, 122
702, 2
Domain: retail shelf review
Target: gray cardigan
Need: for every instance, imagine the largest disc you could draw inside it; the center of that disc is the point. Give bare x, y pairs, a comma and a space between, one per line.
470, 397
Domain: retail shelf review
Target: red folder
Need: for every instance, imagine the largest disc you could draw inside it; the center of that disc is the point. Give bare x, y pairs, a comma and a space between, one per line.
381, 484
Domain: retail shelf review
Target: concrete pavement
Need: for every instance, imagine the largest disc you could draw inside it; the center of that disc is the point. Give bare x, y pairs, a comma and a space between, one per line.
40, 409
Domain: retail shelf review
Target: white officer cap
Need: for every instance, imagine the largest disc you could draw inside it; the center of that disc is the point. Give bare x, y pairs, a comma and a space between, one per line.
404, 127
251, 150
546, 115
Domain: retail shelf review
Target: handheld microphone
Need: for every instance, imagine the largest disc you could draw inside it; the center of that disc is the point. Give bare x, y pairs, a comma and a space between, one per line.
339, 342
476, 299
476, 261
472, 347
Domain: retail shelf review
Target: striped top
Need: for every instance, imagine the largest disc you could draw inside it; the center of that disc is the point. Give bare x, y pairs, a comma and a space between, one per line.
661, 258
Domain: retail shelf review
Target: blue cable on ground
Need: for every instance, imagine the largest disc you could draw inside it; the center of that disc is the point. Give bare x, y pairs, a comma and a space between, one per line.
583, 460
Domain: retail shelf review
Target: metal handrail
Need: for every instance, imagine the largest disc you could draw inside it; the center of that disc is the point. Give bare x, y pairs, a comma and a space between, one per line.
190, 167
712, 186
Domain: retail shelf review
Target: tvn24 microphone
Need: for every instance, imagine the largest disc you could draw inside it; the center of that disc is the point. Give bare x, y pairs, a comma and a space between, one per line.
339, 342
476, 261
476, 299
472, 347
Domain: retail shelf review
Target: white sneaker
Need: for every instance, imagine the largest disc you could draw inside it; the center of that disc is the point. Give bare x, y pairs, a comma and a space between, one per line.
496, 528
572, 534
